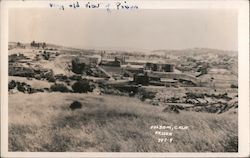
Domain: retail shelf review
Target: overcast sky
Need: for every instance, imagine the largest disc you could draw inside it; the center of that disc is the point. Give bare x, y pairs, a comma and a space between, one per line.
129, 30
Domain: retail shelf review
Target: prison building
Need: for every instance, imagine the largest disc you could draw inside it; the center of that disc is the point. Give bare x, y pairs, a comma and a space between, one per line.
164, 82
159, 67
90, 60
130, 70
117, 61
141, 78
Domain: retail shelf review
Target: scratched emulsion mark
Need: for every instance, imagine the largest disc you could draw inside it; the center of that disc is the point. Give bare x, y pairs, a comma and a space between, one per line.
95, 5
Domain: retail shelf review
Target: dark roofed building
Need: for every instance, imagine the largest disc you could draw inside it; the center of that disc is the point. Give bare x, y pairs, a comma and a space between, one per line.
159, 67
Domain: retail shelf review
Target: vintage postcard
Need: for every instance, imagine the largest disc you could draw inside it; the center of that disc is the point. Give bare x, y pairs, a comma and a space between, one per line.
124, 78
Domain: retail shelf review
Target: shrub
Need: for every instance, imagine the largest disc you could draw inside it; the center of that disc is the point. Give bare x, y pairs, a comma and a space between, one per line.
61, 77
51, 79
21, 87
126, 74
75, 77
115, 147
173, 108
111, 90
39, 90
82, 86
46, 89
194, 95
46, 55
131, 90
234, 86
59, 88
38, 77
75, 105
144, 94
12, 84
231, 143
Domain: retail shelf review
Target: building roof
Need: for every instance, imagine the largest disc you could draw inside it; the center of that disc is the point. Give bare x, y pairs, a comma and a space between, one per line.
168, 80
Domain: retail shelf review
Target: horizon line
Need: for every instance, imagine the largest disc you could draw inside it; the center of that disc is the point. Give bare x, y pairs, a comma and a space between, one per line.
134, 49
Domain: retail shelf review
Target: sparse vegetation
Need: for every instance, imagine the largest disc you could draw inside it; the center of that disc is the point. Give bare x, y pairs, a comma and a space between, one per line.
173, 108
144, 94
82, 86
46, 55
51, 79
38, 45
75, 105
234, 86
58, 87
106, 124
21, 87
115, 113
12, 84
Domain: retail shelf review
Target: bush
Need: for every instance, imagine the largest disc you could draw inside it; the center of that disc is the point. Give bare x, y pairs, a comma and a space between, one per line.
21, 87
82, 86
12, 84
75, 105
231, 143
112, 90
51, 79
46, 55
194, 95
144, 94
234, 86
172, 108
59, 88
61, 77
75, 77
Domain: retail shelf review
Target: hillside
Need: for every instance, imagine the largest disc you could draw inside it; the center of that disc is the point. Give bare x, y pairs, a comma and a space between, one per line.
195, 51
70, 99
111, 124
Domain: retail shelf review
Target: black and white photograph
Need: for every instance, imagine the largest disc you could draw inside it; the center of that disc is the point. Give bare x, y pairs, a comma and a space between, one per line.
83, 79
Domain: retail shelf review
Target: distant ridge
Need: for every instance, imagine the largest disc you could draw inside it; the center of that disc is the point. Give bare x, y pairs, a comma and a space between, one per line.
194, 51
